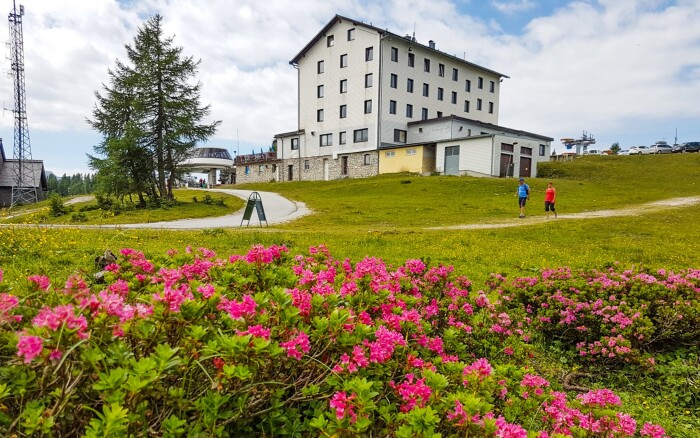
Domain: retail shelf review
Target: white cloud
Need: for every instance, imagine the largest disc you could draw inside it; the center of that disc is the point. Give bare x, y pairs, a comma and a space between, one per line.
513, 7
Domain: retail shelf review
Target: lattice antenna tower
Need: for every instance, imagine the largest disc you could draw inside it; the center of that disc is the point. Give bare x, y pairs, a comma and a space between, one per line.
24, 190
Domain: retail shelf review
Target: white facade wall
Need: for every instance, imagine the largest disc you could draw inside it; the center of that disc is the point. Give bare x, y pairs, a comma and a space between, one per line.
417, 73
354, 98
475, 156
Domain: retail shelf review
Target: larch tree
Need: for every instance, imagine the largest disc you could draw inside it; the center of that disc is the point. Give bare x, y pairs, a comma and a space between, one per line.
150, 116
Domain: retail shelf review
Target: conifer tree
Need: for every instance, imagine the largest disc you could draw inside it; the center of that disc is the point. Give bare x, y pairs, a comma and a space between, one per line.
150, 116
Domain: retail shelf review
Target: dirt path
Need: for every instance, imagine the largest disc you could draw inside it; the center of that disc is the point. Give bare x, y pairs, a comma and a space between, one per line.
650, 207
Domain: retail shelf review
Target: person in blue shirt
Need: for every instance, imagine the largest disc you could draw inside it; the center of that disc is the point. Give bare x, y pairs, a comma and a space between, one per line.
523, 195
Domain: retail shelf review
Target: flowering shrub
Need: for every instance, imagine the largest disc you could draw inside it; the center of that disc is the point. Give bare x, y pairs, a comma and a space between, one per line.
609, 317
267, 343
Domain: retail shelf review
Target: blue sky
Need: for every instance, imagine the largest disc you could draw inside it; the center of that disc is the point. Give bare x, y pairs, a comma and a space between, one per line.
627, 71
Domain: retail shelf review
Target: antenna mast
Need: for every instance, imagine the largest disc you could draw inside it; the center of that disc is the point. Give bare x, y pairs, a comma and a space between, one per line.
24, 190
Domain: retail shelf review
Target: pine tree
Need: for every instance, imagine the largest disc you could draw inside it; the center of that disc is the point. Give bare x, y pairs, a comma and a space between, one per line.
150, 117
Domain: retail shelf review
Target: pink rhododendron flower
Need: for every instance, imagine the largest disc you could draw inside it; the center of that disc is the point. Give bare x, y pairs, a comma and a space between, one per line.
56, 355
653, 430
413, 394
296, 346
600, 397
246, 308
481, 368
257, 331
29, 347
40, 281
343, 406
7, 303
207, 290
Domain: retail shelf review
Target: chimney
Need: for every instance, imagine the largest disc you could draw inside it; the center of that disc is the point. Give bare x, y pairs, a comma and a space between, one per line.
431, 44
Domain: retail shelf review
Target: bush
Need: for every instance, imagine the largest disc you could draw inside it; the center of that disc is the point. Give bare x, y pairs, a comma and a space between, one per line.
78, 217
57, 207
269, 344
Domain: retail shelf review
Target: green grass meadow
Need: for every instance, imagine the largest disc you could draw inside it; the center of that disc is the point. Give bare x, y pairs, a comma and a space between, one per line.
392, 216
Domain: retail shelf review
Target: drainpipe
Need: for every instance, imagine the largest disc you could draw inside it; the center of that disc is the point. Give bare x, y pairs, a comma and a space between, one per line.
379, 98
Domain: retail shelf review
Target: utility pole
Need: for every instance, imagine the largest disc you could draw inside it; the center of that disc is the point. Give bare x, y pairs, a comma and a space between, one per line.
24, 190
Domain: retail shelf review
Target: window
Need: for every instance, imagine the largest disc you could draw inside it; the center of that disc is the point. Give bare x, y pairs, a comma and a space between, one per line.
319, 91
351, 34
319, 68
368, 106
343, 86
295, 144
247, 170
368, 80
542, 150
319, 115
440, 93
441, 70
409, 111
426, 90
393, 83
468, 86
326, 140
389, 154
411, 152
439, 114
343, 60
426, 65
360, 135
478, 104
480, 83
330, 41
466, 106
367, 159
392, 107
307, 166
424, 114
342, 137
343, 111
369, 53
399, 136
344, 165
525, 150
454, 97
492, 86
490, 107
411, 60
409, 85
455, 74
505, 147
395, 54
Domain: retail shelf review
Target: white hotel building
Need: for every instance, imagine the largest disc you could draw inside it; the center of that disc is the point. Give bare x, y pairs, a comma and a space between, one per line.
367, 96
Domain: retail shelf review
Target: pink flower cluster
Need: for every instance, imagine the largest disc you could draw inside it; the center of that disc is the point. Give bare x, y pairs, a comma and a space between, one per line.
7, 303
343, 406
40, 281
29, 347
297, 346
61, 316
481, 369
246, 308
412, 394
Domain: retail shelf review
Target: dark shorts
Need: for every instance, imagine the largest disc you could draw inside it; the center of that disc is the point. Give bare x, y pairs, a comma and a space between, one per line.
548, 206
521, 202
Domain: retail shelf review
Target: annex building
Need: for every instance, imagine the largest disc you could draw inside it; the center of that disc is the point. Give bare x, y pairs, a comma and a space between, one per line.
371, 101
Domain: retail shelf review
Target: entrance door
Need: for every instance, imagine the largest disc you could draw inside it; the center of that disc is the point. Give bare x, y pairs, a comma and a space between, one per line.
290, 172
506, 166
326, 170
344, 166
452, 160
525, 165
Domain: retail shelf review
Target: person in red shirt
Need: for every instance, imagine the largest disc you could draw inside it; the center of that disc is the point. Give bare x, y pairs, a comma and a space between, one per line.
550, 197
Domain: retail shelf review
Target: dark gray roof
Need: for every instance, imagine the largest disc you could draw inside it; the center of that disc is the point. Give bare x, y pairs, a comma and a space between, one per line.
288, 134
7, 173
503, 129
339, 18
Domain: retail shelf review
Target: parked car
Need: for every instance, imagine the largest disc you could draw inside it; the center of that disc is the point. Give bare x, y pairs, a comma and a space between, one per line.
691, 146
623, 152
639, 150
660, 148
592, 152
